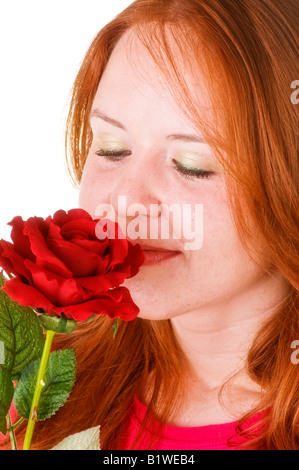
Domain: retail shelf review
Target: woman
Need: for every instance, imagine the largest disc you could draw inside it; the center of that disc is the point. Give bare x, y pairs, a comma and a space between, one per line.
189, 103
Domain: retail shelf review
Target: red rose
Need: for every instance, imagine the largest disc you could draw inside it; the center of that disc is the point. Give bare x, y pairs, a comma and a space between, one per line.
60, 266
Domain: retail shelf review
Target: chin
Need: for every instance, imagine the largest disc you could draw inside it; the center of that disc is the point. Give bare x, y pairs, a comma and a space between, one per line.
156, 316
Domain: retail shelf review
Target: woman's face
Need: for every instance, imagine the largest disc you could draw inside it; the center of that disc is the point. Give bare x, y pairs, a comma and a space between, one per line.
143, 148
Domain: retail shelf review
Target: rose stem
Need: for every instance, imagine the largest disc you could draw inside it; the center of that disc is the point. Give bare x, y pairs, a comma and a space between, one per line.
12, 436
38, 389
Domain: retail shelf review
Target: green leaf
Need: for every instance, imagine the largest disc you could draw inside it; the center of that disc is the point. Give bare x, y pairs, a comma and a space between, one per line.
59, 380
20, 333
21, 342
6, 396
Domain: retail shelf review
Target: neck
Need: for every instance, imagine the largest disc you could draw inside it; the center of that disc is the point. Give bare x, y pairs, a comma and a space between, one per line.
216, 340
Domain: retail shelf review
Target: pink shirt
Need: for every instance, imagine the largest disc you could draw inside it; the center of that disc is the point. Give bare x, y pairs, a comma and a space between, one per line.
214, 437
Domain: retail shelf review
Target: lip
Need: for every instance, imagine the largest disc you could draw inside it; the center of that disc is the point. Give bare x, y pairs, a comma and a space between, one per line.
158, 256
156, 248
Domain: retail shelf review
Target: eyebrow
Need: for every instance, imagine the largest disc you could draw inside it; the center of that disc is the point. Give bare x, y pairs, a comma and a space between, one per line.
183, 137
97, 113
187, 138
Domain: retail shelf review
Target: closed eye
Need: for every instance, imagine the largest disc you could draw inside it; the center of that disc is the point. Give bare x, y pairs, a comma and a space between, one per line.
191, 172
113, 155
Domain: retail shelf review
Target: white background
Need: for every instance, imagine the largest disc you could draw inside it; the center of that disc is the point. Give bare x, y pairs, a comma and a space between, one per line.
42, 44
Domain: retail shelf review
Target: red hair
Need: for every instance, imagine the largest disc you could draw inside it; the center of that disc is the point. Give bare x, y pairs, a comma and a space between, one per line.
248, 52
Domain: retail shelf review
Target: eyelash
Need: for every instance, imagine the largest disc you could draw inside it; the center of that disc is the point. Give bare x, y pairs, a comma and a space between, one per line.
187, 173
113, 155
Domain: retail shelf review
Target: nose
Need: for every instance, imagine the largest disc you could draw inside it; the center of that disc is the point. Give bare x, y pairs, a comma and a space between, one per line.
139, 183
137, 191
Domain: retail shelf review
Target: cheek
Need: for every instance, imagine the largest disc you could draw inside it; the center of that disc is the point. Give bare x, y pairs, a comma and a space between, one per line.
222, 265
93, 187
221, 248
216, 224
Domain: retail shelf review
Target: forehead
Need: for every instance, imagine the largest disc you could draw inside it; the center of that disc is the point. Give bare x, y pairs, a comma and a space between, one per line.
139, 67
131, 53
131, 65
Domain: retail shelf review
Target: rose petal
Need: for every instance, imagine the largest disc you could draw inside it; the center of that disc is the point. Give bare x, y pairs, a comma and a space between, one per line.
72, 214
102, 283
79, 226
91, 245
58, 290
44, 257
15, 264
25, 295
20, 240
61, 216
5, 263
125, 308
133, 261
69, 269
118, 252
58, 219
135, 258
54, 231
112, 228
78, 260
116, 303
